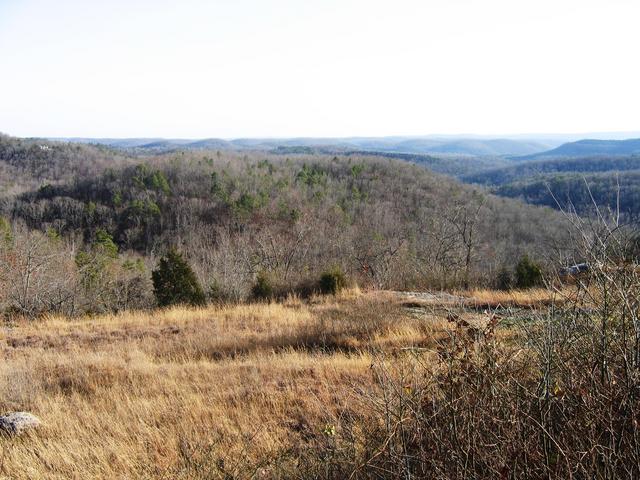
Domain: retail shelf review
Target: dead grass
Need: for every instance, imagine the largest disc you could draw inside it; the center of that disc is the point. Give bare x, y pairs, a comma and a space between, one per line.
157, 394
143, 394
536, 297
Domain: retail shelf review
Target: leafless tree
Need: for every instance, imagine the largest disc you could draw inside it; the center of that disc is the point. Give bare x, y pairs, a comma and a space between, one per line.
465, 219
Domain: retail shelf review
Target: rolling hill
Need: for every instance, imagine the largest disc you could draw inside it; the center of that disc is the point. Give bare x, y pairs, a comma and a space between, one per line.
519, 171
239, 213
472, 146
578, 184
589, 147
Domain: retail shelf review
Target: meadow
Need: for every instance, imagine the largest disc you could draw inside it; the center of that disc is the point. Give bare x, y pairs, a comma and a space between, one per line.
151, 393
372, 384
219, 392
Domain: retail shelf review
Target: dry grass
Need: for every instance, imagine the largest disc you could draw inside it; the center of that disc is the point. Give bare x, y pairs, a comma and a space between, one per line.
150, 394
537, 297
235, 391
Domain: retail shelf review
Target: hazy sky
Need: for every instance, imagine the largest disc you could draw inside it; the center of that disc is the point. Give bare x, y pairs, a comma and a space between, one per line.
233, 68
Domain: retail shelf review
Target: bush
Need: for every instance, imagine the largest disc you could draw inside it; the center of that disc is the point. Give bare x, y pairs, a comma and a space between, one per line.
262, 289
332, 281
529, 407
528, 274
504, 279
215, 292
175, 283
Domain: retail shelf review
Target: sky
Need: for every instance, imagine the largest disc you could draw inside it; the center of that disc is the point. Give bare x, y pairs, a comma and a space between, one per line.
285, 68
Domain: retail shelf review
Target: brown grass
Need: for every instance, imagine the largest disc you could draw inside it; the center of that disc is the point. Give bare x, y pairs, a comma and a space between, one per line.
239, 391
532, 298
152, 394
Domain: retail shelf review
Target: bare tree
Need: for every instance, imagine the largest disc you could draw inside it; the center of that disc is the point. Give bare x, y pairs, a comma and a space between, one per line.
465, 219
38, 273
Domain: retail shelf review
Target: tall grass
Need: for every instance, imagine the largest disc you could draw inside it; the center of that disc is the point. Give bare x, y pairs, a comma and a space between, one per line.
560, 399
349, 386
183, 393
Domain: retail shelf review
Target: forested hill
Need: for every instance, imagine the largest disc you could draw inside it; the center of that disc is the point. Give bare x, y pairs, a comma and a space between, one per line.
385, 222
417, 145
28, 163
453, 165
580, 184
583, 148
503, 175
587, 194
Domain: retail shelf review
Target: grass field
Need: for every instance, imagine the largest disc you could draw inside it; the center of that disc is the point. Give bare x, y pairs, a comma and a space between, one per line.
151, 394
222, 392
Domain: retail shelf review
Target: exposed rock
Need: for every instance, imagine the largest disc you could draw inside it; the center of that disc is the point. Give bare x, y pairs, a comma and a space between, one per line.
15, 423
433, 297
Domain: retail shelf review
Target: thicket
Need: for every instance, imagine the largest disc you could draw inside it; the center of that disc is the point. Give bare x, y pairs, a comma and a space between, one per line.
559, 399
42, 272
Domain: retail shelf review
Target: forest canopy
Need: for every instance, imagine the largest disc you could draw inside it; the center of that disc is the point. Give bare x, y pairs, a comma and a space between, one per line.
384, 222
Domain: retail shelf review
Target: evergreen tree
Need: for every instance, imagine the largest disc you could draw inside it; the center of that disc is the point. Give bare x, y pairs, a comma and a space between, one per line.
528, 273
332, 281
174, 282
262, 289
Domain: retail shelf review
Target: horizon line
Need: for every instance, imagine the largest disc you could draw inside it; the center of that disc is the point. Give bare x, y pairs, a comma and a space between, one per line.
345, 137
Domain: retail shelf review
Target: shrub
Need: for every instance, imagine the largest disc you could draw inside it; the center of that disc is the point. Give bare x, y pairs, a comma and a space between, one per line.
529, 407
174, 282
6, 234
528, 273
332, 281
220, 293
504, 279
262, 289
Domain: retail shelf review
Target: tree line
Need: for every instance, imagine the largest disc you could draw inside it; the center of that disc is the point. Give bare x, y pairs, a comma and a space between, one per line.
237, 218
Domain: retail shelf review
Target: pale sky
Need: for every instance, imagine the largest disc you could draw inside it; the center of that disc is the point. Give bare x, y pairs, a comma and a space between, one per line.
283, 68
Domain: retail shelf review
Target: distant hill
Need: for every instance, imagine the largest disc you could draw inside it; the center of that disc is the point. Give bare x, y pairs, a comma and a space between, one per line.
419, 145
520, 171
583, 148
580, 192
470, 146
570, 183
153, 144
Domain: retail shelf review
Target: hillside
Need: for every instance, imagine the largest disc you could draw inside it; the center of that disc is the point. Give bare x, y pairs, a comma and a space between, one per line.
420, 145
583, 148
583, 193
29, 163
519, 171
578, 184
385, 223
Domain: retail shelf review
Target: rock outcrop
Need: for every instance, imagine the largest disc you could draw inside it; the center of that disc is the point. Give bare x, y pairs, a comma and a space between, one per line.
15, 423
